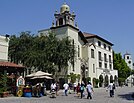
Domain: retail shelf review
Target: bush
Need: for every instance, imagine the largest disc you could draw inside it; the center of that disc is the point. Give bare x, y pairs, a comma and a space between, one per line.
3, 83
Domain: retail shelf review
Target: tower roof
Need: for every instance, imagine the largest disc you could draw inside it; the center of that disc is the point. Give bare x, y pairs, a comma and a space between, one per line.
64, 8
127, 53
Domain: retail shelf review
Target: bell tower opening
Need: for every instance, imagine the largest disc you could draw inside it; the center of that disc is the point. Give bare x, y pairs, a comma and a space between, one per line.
64, 17
60, 21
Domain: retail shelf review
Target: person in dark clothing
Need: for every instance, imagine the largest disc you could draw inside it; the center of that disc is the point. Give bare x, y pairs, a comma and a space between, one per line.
78, 89
82, 89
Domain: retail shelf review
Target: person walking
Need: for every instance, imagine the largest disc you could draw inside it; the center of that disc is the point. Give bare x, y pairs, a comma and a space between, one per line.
66, 87
89, 88
38, 90
44, 88
111, 88
78, 90
53, 90
74, 86
82, 89
57, 88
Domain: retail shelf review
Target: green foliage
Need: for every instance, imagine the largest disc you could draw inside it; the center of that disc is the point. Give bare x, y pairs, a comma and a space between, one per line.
42, 52
121, 66
132, 72
121, 81
3, 83
88, 79
73, 77
95, 82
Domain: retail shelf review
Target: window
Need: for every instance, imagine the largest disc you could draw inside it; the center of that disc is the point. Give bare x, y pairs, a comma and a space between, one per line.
127, 57
92, 53
99, 55
105, 65
105, 57
109, 48
105, 46
99, 43
100, 64
78, 51
93, 68
60, 21
110, 66
110, 59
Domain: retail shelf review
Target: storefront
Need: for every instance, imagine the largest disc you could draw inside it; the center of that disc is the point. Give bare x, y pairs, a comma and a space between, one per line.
12, 71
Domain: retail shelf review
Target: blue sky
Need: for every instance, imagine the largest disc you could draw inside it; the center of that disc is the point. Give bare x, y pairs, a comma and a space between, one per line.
111, 19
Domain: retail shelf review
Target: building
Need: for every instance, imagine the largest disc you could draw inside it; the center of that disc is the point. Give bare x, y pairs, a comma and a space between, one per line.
4, 41
129, 61
5, 65
94, 54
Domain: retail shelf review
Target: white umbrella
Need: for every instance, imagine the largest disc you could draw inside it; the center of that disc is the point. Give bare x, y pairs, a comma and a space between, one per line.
39, 77
39, 73
30, 75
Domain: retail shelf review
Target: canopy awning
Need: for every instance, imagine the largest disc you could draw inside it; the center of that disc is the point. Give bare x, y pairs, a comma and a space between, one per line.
10, 64
39, 73
42, 77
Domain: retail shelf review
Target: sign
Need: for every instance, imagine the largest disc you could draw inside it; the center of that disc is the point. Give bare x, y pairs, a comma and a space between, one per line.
20, 81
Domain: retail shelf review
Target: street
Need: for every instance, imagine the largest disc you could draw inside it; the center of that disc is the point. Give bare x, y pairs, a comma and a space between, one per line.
122, 95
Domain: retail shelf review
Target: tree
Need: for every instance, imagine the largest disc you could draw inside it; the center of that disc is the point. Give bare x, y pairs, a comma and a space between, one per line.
43, 52
73, 77
120, 65
132, 72
3, 83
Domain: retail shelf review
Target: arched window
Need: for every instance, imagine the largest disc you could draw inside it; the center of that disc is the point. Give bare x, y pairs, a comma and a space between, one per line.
61, 21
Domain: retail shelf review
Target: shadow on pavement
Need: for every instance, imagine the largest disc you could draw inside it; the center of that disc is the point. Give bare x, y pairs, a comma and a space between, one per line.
126, 96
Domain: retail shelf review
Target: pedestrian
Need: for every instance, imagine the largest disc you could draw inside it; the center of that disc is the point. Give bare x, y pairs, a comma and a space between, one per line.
44, 89
111, 88
53, 90
74, 86
53, 86
78, 90
38, 90
82, 89
57, 88
89, 88
66, 87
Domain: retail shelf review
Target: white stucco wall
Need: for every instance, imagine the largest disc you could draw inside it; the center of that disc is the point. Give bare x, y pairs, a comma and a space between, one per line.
128, 60
73, 34
93, 44
4, 43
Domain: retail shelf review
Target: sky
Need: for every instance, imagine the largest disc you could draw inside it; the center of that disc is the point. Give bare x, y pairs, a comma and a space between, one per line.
112, 20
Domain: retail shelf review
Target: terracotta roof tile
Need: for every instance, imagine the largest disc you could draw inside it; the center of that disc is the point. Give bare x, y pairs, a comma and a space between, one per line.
88, 34
10, 64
